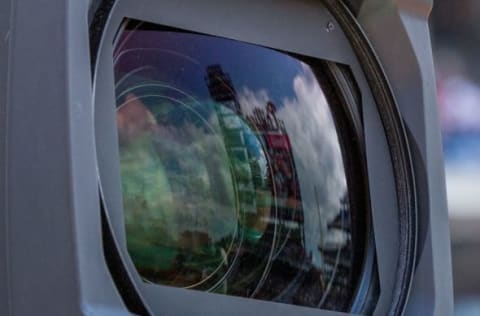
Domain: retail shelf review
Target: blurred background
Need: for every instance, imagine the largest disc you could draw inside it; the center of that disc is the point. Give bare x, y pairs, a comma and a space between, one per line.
456, 45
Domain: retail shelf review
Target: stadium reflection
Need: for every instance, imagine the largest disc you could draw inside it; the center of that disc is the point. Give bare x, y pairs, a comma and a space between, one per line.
239, 191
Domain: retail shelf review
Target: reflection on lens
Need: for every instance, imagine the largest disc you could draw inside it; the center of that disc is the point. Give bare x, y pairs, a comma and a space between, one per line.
232, 174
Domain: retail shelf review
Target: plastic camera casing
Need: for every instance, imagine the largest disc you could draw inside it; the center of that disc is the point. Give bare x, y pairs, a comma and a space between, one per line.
52, 260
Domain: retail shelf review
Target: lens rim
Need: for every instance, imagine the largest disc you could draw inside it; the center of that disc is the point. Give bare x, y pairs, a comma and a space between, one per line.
348, 126
336, 47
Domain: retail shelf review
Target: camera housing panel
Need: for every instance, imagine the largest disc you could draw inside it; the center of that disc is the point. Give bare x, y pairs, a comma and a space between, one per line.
58, 134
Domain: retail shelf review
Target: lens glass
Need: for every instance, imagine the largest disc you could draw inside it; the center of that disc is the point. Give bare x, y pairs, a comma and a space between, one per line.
232, 170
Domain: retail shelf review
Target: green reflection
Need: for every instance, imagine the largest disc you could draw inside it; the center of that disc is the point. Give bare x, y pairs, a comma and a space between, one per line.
193, 189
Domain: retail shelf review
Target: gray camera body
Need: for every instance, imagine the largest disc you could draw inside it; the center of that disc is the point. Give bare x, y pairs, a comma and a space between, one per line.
53, 259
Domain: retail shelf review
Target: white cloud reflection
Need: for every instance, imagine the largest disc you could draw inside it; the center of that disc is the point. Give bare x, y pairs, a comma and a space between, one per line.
249, 100
316, 150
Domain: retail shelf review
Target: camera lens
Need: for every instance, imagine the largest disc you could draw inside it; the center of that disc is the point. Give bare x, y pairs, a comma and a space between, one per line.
232, 169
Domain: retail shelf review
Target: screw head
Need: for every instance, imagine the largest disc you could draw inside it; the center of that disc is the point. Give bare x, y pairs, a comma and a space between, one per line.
330, 27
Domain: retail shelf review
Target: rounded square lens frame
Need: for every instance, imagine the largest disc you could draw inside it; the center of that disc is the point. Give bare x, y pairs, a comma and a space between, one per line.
313, 32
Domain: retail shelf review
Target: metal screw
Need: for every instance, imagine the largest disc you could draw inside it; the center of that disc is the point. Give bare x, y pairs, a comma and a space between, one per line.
330, 26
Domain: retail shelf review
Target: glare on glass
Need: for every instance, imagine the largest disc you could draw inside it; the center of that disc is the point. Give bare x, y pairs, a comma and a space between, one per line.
232, 173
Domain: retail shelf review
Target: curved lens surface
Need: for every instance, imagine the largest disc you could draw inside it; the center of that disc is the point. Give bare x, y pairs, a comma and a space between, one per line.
232, 172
